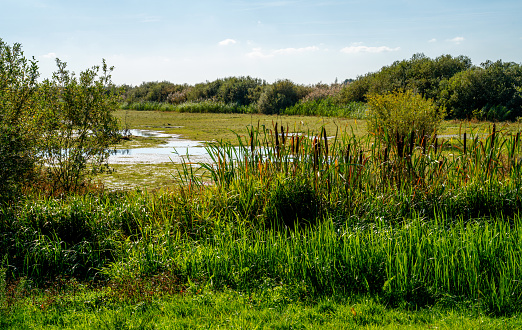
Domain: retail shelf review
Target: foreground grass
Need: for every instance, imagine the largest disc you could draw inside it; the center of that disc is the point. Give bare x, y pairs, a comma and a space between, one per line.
78, 307
405, 234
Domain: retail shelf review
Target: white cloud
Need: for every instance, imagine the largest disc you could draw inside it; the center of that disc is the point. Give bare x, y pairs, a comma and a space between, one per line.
432, 40
49, 55
227, 42
258, 52
296, 50
457, 40
358, 48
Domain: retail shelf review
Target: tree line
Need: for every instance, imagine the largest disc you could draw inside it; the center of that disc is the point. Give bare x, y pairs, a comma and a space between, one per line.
489, 91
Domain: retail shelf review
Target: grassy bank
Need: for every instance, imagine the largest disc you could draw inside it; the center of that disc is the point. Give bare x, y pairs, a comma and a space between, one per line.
305, 216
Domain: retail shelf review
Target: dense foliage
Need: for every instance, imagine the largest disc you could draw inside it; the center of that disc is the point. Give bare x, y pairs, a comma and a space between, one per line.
319, 216
56, 129
490, 91
402, 116
18, 118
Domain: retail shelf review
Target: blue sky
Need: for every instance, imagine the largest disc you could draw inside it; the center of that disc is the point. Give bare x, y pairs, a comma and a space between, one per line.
305, 41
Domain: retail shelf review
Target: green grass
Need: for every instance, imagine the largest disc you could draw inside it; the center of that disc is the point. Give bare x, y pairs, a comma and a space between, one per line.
140, 176
298, 228
79, 307
222, 127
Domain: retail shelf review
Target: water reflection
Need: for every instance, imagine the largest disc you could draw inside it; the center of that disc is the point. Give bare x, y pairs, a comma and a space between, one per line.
175, 149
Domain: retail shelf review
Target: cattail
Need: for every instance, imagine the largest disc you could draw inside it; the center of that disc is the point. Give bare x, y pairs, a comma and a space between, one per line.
347, 154
423, 142
316, 152
465, 138
282, 135
400, 144
276, 140
252, 140
325, 142
493, 137
515, 144
412, 139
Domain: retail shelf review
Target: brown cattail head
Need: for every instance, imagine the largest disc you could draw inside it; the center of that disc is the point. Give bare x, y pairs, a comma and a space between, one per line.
252, 140
282, 135
465, 139
325, 142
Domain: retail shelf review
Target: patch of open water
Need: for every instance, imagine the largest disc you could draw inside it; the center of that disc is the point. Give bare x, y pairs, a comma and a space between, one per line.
174, 150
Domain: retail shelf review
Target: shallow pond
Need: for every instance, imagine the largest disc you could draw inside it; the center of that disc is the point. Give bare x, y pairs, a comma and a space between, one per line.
174, 150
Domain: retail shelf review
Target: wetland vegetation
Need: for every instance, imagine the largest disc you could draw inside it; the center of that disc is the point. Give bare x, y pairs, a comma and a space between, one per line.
296, 222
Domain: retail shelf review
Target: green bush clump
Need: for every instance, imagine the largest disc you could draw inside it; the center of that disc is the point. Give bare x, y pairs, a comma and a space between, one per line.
488, 92
59, 129
395, 117
19, 119
279, 96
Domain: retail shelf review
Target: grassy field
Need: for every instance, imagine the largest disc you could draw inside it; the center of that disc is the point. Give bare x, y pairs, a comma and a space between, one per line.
217, 127
280, 232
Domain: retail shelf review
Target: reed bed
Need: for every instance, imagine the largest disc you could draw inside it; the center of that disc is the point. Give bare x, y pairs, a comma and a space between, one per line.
206, 106
415, 220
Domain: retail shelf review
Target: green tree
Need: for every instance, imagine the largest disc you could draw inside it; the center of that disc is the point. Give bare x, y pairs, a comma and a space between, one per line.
486, 92
238, 90
78, 125
18, 119
279, 96
420, 74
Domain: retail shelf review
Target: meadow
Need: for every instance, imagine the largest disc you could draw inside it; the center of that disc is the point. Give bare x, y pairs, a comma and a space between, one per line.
299, 222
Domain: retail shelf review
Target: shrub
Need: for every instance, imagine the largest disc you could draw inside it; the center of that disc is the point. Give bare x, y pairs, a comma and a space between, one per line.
487, 92
279, 96
420, 74
78, 128
18, 118
393, 117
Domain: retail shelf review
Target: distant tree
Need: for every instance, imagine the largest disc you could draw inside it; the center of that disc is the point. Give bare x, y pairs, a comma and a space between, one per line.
279, 96
240, 90
420, 74
490, 91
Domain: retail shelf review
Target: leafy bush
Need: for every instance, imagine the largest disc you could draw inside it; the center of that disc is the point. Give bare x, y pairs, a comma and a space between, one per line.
240, 90
78, 128
63, 124
486, 92
393, 117
152, 91
420, 74
279, 96
18, 118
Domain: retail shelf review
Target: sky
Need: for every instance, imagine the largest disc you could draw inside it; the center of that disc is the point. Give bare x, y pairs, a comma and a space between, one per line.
308, 41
